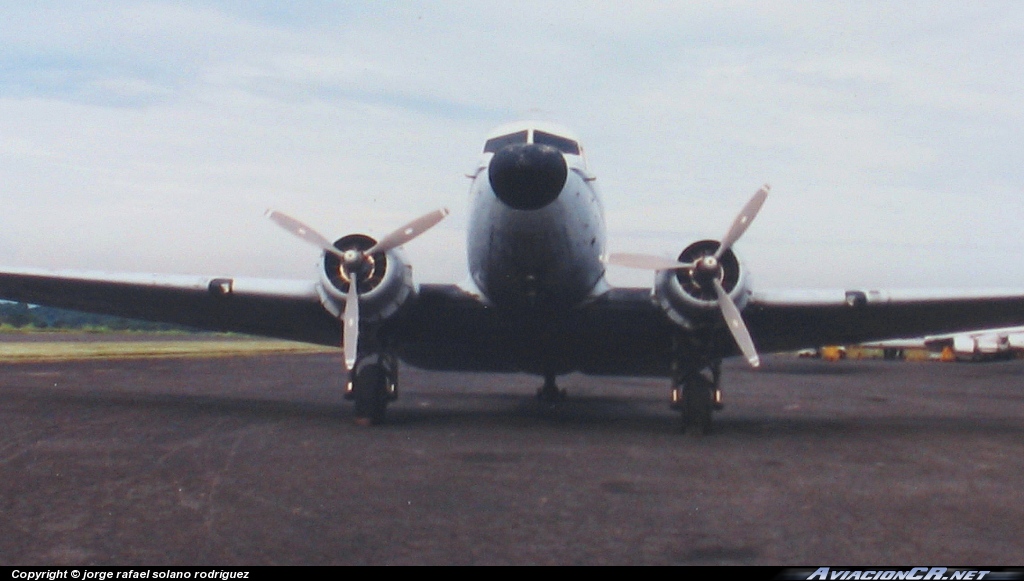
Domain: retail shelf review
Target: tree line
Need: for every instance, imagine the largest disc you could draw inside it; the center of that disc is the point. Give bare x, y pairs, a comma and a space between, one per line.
25, 316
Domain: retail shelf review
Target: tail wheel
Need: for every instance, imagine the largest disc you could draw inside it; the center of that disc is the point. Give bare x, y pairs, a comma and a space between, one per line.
370, 391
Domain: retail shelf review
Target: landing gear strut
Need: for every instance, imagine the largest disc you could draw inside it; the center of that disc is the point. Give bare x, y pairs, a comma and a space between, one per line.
549, 392
696, 394
373, 383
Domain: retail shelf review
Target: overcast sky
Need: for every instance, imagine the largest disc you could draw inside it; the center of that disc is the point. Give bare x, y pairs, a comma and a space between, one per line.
151, 136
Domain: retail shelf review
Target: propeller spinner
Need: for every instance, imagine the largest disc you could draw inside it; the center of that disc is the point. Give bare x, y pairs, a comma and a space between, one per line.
353, 263
708, 270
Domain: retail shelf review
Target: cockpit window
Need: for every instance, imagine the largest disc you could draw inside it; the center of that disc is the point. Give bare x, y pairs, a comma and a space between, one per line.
562, 144
493, 145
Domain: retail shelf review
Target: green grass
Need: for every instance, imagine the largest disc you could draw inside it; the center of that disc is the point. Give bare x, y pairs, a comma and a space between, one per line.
15, 352
91, 329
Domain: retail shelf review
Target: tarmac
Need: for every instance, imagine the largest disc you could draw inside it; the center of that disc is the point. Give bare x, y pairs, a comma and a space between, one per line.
256, 461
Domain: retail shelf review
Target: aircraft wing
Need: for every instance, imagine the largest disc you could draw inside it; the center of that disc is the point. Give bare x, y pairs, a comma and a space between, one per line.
622, 332
286, 309
787, 320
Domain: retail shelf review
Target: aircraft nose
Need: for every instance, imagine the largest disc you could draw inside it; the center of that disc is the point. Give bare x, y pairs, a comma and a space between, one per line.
527, 176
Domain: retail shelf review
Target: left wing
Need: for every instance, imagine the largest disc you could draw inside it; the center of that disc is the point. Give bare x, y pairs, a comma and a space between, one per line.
788, 320
286, 309
624, 332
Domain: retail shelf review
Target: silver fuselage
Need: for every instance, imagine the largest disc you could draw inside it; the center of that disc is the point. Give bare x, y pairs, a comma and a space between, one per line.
543, 259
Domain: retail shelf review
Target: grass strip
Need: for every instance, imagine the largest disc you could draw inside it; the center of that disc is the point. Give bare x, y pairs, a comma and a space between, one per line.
65, 351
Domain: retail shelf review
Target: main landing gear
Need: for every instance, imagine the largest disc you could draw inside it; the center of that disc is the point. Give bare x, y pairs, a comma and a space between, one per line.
372, 384
549, 392
696, 394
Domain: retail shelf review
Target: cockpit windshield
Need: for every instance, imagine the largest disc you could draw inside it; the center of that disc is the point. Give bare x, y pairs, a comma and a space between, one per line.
563, 144
493, 145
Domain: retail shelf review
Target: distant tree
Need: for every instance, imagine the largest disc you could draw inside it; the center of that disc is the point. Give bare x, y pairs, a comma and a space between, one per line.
16, 315
21, 315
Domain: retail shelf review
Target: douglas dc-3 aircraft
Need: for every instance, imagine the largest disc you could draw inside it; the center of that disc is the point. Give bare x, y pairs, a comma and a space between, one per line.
536, 300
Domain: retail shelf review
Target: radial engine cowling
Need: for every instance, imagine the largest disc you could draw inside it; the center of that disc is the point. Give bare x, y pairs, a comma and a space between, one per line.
687, 295
385, 283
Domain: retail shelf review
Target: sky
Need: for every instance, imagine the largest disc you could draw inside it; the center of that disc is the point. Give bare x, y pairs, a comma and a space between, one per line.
152, 136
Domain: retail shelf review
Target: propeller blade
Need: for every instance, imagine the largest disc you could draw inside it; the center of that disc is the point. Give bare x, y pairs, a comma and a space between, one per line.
408, 232
737, 327
644, 261
742, 222
302, 231
351, 330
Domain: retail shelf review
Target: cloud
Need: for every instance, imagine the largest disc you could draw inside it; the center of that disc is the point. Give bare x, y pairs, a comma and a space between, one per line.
153, 135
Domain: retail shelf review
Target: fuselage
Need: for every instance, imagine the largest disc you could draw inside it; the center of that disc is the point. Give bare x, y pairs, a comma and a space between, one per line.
537, 232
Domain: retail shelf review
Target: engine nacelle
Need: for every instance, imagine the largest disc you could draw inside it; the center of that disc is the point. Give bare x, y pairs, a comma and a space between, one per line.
385, 283
690, 303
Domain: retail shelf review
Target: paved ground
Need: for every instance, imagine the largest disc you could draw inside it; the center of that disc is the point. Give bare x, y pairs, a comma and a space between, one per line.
256, 461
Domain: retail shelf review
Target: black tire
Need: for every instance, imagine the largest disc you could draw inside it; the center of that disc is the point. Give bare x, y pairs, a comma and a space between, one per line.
697, 406
371, 394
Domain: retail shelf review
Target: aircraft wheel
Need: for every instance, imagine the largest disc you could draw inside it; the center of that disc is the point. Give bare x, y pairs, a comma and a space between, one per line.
370, 389
698, 401
550, 395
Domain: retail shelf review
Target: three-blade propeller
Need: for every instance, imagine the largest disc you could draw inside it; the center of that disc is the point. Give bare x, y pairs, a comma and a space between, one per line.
352, 262
708, 268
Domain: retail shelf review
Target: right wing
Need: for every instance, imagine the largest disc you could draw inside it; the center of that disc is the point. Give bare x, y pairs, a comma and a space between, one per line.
286, 309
